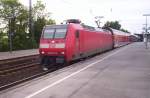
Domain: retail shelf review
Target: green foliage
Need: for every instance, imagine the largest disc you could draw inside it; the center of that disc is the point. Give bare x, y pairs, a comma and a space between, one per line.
38, 26
8, 7
124, 30
113, 24
50, 22
38, 9
16, 17
40, 20
3, 41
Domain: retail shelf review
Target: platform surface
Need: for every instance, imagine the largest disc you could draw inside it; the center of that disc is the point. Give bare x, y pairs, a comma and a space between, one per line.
19, 53
121, 73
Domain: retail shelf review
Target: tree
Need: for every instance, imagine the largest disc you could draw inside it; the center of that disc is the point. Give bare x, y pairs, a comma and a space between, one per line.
113, 24
38, 10
8, 8
41, 18
10, 12
16, 17
38, 26
124, 30
3, 41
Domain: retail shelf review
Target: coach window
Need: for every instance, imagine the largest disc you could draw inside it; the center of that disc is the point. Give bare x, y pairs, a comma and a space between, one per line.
77, 34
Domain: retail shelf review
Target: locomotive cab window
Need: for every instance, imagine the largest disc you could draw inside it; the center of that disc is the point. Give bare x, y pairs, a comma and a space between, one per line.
48, 33
51, 33
60, 33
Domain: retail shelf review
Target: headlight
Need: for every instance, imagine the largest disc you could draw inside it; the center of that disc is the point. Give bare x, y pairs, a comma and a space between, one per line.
62, 52
44, 45
42, 52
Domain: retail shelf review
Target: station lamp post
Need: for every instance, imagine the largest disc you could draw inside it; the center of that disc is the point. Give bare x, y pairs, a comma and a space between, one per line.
145, 36
30, 16
10, 34
30, 23
146, 29
11, 25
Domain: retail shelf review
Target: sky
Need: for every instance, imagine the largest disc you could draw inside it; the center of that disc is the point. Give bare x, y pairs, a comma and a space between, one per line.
129, 13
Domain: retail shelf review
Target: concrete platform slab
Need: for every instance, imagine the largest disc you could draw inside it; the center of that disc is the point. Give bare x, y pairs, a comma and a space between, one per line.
19, 53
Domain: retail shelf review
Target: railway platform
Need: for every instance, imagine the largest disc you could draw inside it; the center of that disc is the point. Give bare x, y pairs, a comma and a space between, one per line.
19, 53
120, 73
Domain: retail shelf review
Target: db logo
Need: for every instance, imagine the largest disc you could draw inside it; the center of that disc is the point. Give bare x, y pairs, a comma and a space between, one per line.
52, 45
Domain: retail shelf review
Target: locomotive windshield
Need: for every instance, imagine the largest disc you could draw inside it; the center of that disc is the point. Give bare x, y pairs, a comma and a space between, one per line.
48, 33
55, 32
60, 33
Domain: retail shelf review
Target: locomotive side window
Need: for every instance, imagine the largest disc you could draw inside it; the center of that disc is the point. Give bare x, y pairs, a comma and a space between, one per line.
77, 34
48, 33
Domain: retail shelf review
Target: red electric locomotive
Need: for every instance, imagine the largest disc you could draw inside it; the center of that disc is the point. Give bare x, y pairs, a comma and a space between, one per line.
71, 41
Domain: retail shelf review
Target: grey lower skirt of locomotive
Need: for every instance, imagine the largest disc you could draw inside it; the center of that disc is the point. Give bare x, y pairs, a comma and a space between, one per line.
48, 61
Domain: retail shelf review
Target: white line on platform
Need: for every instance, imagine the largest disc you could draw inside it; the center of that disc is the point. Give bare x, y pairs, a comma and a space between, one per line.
61, 80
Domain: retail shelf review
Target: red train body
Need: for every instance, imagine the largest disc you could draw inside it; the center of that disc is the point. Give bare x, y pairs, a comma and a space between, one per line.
68, 42
120, 38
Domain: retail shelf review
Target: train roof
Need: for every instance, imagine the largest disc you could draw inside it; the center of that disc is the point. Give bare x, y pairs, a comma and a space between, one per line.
78, 26
56, 26
117, 32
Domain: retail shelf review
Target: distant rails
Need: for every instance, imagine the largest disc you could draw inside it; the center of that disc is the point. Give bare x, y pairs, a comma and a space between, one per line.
23, 75
16, 69
14, 62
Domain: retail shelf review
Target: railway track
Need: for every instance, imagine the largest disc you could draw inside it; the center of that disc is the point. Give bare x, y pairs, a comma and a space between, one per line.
18, 69
14, 62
